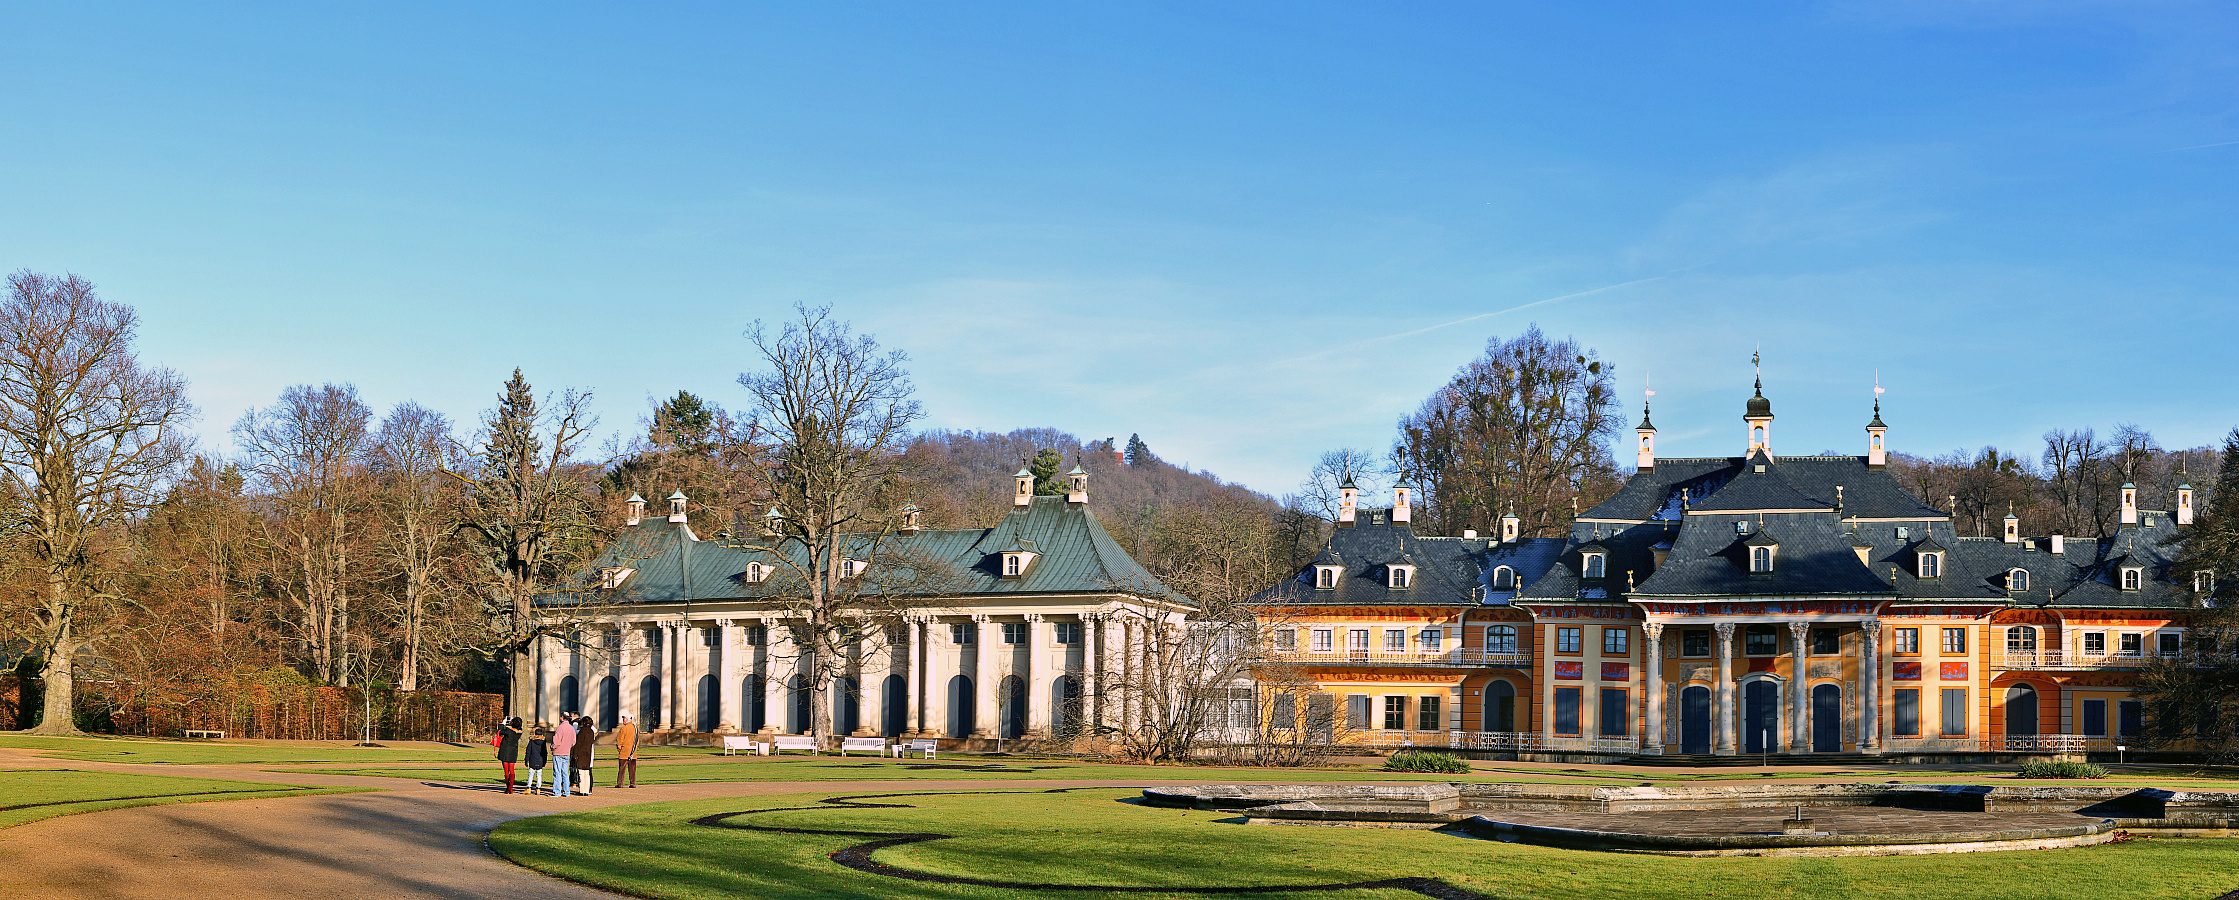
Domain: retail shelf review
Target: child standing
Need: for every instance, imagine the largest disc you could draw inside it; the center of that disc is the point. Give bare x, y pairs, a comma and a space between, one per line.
537, 755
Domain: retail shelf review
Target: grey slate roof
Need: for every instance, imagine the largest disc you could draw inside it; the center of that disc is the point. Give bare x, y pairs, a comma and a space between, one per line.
1450, 571
2088, 573
1076, 556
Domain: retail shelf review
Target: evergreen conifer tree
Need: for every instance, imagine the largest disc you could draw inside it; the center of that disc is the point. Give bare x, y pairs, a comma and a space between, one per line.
2193, 699
1046, 465
1138, 453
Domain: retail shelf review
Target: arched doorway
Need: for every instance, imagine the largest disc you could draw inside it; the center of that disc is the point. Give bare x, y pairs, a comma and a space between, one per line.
2021, 714
1827, 719
1500, 706
961, 720
756, 695
847, 706
800, 703
1694, 719
1065, 706
1012, 692
710, 706
570, 701
896, 717
610, 703
649, 701
1760, 715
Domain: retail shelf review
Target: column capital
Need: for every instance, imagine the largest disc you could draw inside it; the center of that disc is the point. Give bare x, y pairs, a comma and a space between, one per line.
1652, 630
1725, 630
1034, 617
724, 623
1798, 630
981, 617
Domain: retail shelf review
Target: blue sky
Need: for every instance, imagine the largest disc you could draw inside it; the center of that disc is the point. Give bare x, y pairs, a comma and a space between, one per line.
1249, 232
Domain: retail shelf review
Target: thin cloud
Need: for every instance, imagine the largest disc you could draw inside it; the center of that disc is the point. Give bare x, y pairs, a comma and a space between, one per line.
1468, 319
2200, 147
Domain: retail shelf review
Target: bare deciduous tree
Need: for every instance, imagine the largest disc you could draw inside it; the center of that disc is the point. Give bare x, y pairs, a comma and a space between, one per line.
410, 452
308, 452
87, 438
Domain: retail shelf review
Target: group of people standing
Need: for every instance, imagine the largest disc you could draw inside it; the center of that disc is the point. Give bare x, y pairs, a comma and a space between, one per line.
568, 749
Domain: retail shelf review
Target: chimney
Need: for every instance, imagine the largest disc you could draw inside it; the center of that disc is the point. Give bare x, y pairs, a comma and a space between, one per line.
1401, 509
676, 507
2129, 503
1025, 494
1348, 496
1469, 534
636, 506
2059, 544
1076, 485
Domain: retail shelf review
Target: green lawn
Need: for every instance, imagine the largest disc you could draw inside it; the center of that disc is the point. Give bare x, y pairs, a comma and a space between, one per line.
1096, 837
28, 795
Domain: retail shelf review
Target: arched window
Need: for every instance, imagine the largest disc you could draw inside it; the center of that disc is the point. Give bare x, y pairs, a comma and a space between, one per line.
1593, 565
1931, 565
1401, 575
2021, 639
1500, 638
1760, 559
569, 701
2017, 580
1504, 579
756, 573
649, 702
1325, 576
2132, 578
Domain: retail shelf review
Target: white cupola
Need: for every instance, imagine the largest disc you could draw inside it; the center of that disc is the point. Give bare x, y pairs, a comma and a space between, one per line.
1511, 528
2013, 527
1076, 485
2129, 503
2184, 504
771, 522
1348, 498
1402, 502
1877, 451
1024, 496
1759, 415
676, 506
1647, 432
636, 507
912, 519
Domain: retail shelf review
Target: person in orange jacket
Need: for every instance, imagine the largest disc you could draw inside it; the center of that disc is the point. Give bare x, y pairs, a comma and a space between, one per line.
625, 752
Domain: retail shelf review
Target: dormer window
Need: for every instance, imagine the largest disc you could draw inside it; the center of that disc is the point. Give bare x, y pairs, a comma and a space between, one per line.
1760, 559
612, 577
851, 568
2017, 580
1504, 579
756, 573
1402, 577
1593, 565
1016, 562
1325, 577
2203, 582
2133, 578
1931, 565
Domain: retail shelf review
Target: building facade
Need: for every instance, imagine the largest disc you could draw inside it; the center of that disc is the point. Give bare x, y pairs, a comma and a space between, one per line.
1750, 604
1008, 640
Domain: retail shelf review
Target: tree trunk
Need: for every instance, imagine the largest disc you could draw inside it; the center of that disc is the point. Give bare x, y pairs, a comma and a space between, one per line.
58, 680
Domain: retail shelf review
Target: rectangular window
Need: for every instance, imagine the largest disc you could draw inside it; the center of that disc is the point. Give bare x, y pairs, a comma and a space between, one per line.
1426, 715
1395, 713
1907, 712
2171, 644
1955, 640
611, 640
1434, 639
1069, 633
1566, 710
1616, 713
1356, 711
2095, 718
653, 639
1616, 641
1321, 716
1321, 640
2132, 644
1569, 640
1760, 640
1500, 639
962, 633
1286, 640
711, 637
1908, 640
1826, 642
2130, 717
1014, 632
1395, 640
757, 635
2095, 643
1954, 709
1694, 642
1285, 714
1356, 640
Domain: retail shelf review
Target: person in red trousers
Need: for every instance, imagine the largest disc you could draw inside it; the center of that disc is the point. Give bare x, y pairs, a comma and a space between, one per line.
508, 742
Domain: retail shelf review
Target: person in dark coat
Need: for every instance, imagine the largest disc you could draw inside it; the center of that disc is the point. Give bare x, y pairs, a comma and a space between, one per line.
536, 757
509, 747
586, 735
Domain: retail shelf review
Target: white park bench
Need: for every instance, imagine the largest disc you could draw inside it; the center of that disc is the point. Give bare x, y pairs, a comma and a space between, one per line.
784, 742
204, 735
919, 746
733, 743
874, 744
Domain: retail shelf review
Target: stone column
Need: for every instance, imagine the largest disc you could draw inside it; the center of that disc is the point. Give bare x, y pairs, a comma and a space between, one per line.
777, 667
1652, 684
1869, 687
1092, 693
921, 675
1543, 638
870, 687
987, 713
1799, 688
1037, 676
633, 666
729, 682
1723, 726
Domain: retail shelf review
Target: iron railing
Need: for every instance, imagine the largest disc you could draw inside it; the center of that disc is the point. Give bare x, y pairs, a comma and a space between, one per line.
2053, 660
1471, 658
1509, 741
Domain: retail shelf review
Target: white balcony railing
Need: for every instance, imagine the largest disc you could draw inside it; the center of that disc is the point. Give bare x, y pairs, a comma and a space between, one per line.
2031, 743
1471, 658
2050, 660
1510, 741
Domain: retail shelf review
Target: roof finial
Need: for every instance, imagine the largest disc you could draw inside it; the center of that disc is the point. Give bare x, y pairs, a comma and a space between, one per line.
1757, 360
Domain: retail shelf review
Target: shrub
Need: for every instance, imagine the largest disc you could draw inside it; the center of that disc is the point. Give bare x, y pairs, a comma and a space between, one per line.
2062, 770
1425, 761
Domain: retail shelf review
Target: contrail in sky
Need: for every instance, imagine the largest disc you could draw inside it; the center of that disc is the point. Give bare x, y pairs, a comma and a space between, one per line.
1503, 312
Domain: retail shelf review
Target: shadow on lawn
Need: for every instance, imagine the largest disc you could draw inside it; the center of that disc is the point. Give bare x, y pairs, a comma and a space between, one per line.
858, 857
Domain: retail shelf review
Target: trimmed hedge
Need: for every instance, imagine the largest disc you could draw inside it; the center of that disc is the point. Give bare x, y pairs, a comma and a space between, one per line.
1425, 761
2062, 770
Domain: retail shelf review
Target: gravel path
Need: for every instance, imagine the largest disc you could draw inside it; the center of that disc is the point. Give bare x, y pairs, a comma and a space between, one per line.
415, 839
